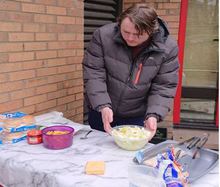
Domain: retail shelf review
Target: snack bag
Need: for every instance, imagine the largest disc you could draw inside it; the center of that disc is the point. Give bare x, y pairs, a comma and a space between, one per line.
8, 138
16, 122
170, 170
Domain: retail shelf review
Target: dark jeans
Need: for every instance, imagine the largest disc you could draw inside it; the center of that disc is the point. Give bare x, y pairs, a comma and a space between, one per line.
95, 121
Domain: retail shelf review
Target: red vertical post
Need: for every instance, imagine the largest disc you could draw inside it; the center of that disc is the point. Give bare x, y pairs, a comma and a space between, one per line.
216, 115
181, 44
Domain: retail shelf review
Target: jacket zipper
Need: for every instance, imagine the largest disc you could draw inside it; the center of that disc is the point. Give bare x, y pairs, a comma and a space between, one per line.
137, 77
130, 75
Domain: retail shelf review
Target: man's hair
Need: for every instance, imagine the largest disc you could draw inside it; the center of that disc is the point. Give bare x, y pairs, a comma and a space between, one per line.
143, 17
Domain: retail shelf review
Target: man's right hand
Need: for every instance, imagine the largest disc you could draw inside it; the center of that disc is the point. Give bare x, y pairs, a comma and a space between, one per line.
107, 118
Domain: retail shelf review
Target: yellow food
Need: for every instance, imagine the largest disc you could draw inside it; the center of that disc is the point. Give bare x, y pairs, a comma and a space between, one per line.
131, 137
57, 132
95, 167
131, 132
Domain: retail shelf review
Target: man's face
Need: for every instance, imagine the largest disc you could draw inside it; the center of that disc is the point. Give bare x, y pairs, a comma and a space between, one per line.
130, 34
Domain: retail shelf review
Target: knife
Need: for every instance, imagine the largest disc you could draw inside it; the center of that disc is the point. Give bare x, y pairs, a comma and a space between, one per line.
141, 156
200, 145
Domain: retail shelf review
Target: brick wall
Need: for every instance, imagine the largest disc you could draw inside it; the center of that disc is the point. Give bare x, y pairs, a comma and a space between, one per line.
168, 10
41, 50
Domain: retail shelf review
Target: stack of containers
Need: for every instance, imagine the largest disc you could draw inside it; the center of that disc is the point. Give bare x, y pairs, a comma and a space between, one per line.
14, 127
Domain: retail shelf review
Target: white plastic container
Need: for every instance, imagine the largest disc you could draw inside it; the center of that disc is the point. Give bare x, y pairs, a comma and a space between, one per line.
142, 176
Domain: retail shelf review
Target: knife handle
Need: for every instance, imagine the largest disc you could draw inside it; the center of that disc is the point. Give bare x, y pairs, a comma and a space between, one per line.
193, 143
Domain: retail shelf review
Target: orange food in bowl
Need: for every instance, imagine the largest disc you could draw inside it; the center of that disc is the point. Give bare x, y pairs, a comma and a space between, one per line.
57, 132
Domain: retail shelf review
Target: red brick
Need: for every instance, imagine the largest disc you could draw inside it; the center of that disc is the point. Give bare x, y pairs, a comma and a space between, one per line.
28, 109
57, 94
75, 28
79, 110
32, 46
46, 88
25, 1
3, 77
76, 89
3, 58
45, 36
79, 21
79, 4
66, 53
75, 104
14, 57
10, 106
46, 2
56, 28
33, 64
65, 100
6, 26
79, 37
3, 36
9, 47
66, 20
34, 27
35, 100
46, 105
79, 67
66, 36
21, 75
79, 96
33, 8
4, 97
55, 62
65, 3
69, 114
22, 93
170, 18
64, 45
169, 5
9, 6
47, 71
173, 24
75, 74
46, 54
60, 108
79, 52
39, 18
56, 10
36, 82
75, 12
77, 118
74, 60
56, 78
16, 17
67, 68
9, 67
14, 37
72, 83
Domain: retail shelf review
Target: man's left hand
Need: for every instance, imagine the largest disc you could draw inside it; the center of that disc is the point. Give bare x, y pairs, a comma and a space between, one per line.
151, 125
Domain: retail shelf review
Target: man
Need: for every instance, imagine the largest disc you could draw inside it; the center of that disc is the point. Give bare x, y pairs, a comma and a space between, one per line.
131, 71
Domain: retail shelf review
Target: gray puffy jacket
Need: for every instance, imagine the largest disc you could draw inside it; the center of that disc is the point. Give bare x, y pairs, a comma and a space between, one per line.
110, 73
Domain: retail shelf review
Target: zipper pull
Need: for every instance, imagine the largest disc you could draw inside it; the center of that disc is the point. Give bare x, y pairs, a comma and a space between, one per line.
138, 74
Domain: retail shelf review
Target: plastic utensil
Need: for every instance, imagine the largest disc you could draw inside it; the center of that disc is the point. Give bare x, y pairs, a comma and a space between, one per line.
86, 135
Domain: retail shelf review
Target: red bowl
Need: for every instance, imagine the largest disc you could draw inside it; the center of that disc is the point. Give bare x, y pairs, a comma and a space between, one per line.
57, 141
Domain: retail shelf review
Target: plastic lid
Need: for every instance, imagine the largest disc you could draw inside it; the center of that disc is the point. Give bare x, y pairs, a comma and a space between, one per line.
34, 132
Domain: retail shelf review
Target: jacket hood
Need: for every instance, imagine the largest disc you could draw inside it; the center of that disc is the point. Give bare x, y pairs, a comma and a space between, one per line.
162, 33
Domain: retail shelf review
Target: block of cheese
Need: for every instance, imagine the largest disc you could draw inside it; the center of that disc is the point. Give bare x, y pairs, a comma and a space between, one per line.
95, 167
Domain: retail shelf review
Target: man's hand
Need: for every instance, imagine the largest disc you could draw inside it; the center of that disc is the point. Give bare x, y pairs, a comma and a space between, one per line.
107, 118
151, 125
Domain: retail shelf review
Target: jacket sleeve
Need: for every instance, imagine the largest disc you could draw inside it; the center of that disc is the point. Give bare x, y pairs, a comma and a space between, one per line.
94, 73
163, 88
